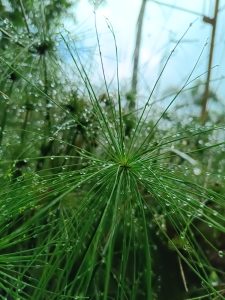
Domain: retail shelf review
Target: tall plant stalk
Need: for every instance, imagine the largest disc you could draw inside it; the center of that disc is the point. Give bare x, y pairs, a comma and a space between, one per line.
136, 58
5, 115
213, 23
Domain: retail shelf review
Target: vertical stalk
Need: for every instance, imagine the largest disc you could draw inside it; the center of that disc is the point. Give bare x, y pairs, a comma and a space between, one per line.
24, 126
213, 23
134, 81
48, 116
3, 123
4, 116
24, 16
46, 147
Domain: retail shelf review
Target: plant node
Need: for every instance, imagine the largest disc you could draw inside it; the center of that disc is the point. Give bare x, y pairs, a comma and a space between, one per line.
43, 47
124, 163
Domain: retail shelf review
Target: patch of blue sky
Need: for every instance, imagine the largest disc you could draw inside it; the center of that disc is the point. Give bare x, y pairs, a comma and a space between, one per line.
163, 26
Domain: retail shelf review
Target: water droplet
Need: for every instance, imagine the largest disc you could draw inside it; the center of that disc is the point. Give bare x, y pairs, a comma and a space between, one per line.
4, 96
197, 171
220, 253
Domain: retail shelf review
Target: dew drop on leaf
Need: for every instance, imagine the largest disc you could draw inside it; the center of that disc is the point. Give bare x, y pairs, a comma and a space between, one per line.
220, 253
197, 171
